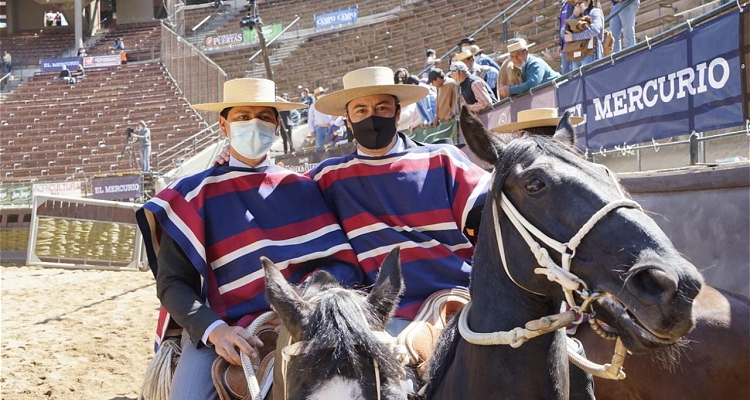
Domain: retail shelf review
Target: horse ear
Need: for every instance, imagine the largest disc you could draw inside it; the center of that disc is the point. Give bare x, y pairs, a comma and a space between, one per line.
480, 141
284, 299
564, 132
384, 296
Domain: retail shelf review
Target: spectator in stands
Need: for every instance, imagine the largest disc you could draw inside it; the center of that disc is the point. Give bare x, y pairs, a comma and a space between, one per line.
481, 58
534, 70
7, 62
566, 12
123, 57
622, 22
78, 73
49, 18
307, 98
208, 276
534, 121
429, 61
425, 108
218, 4
400, 75
82, 52
58, 18
475, 92
594, 34
487, 73
143, 137
464, 43
417, 187
65, 75
285, 126
319, 123
119, 44
448, 99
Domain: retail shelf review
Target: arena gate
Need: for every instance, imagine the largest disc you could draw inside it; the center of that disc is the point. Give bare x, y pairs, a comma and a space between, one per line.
84, 233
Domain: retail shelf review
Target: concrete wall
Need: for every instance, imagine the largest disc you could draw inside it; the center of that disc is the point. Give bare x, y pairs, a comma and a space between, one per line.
705, 211
26, 15
133, 11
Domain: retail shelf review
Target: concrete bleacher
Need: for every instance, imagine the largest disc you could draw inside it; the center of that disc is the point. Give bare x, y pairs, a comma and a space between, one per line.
321, 58
51, 129
28, 47
142, 41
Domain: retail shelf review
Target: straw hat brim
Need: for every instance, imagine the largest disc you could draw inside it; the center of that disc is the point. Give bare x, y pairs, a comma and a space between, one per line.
335, 103
218, 107
536, 123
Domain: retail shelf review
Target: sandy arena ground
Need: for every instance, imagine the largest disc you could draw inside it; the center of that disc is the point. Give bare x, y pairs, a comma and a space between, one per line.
75, 334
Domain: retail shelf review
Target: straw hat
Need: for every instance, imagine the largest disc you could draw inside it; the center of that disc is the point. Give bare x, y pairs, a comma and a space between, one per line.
365, 82
318, 90
518, 45
249, 92
535, 118
464, 55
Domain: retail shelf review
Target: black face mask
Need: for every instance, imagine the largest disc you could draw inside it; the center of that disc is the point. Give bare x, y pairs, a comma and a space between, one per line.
375, 132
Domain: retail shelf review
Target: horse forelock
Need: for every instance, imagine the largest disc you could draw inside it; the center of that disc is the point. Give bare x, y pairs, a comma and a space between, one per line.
339, 337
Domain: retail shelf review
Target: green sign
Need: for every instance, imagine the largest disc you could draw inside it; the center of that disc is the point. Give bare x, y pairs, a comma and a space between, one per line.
433, 133
269, 32
15, 194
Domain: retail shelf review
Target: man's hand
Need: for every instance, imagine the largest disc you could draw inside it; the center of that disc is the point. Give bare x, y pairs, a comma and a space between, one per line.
503, 91
222, 158
228, 339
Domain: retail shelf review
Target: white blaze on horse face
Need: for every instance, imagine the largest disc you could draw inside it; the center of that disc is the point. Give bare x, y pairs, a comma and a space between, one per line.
339, 388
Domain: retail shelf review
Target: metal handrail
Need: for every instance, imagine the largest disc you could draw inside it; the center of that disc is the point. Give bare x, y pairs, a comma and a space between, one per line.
480, 29
193, 142
199, 24
695, 140
274, 39
4, 81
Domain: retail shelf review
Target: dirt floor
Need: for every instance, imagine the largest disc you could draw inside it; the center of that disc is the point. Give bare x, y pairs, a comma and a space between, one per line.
75, 334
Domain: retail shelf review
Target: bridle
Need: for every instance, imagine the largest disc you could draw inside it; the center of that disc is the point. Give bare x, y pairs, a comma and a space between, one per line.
297, 348
570, 283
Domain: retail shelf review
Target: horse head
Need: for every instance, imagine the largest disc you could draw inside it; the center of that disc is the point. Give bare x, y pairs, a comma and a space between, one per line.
586, 235
341, 351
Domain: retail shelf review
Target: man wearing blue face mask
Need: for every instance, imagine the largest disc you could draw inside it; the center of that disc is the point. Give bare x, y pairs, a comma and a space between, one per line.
425, 198
205, 233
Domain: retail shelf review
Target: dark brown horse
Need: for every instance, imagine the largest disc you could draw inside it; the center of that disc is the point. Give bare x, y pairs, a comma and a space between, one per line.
713, 364
554, 221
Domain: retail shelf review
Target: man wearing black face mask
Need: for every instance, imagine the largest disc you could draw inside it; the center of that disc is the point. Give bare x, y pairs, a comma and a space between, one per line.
396, 192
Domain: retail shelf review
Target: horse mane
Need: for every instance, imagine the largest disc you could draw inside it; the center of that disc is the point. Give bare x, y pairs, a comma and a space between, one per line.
337, 333
442, 356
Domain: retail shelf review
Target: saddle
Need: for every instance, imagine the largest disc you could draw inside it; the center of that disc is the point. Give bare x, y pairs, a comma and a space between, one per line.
230, 380
420, 336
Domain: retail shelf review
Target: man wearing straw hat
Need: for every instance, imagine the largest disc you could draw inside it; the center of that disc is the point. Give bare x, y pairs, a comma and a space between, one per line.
393, 191
536, 121
534, 70
205, 233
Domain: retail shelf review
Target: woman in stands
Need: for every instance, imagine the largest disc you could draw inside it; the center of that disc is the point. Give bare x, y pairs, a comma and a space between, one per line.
594, 33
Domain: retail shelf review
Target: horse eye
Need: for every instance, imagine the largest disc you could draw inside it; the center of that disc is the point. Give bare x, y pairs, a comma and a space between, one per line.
534, 185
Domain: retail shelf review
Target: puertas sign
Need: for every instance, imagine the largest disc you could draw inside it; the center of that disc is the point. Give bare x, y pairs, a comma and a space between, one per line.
119, 188
336, 18
690, 82
227, 39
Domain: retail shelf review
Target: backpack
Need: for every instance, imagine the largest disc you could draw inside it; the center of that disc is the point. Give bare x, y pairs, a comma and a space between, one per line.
608, 44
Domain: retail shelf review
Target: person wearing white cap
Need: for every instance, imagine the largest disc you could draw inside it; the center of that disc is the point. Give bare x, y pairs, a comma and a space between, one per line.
205, 233
534, 70
393, 191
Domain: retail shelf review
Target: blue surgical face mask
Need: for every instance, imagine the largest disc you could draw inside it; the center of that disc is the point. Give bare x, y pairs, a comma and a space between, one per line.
252, 139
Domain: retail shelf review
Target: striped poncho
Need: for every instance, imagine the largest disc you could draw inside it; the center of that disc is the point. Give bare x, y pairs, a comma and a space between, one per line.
225, 218
418, 199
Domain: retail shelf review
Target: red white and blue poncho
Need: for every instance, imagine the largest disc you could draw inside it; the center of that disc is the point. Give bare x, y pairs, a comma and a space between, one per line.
418, 199
225, 218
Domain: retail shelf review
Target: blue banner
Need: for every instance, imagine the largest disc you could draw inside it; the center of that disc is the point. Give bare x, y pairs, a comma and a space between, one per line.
690, 82
57, 63
336, 18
